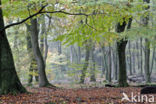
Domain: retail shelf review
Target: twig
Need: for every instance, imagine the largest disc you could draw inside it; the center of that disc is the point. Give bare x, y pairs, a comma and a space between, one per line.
86, 21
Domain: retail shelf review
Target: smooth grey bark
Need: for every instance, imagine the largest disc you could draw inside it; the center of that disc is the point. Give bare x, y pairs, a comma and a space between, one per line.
76, 54
59, 48
110, 64
130, 59
43, 39
138, 59
33, 64
141, 56
145, 21
46, 40
61, 67
9, 81
121, 46
85, 66
152, 63
115, 63
147, 61
134, 61
42, 35
71, 54
102, 64
79, 54
43, 81
16, 44
46, 48
92, 78
105, 61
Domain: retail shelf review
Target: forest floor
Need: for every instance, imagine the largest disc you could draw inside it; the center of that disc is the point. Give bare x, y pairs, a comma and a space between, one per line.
72, 96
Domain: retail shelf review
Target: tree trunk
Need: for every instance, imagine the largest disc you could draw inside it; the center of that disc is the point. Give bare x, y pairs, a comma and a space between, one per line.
130, 59
92, 78
38, 55
33, 69
121, 46
105, 61
42, 35
9, 81
79, 55
115, 64
138, 59
61, 67
141, 56
16, 47
46, 48
152, 63
147, 61
145, 21
33, 65
134, 61
85, 64
110, 65
102, 65
42, 43
75, 53
43, 39
71, 54
122, 63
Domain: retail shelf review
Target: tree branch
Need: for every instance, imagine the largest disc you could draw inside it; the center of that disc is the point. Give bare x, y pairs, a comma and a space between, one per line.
86, 21
24, 20
63, 12
40, 12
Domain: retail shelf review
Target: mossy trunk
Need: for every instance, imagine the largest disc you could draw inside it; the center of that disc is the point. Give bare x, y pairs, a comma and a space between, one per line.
122, 63
121, 47
9, 81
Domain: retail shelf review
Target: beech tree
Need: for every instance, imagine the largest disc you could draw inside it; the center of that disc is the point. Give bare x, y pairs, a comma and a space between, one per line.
145, 21
9, 81
121, 46
43, 81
